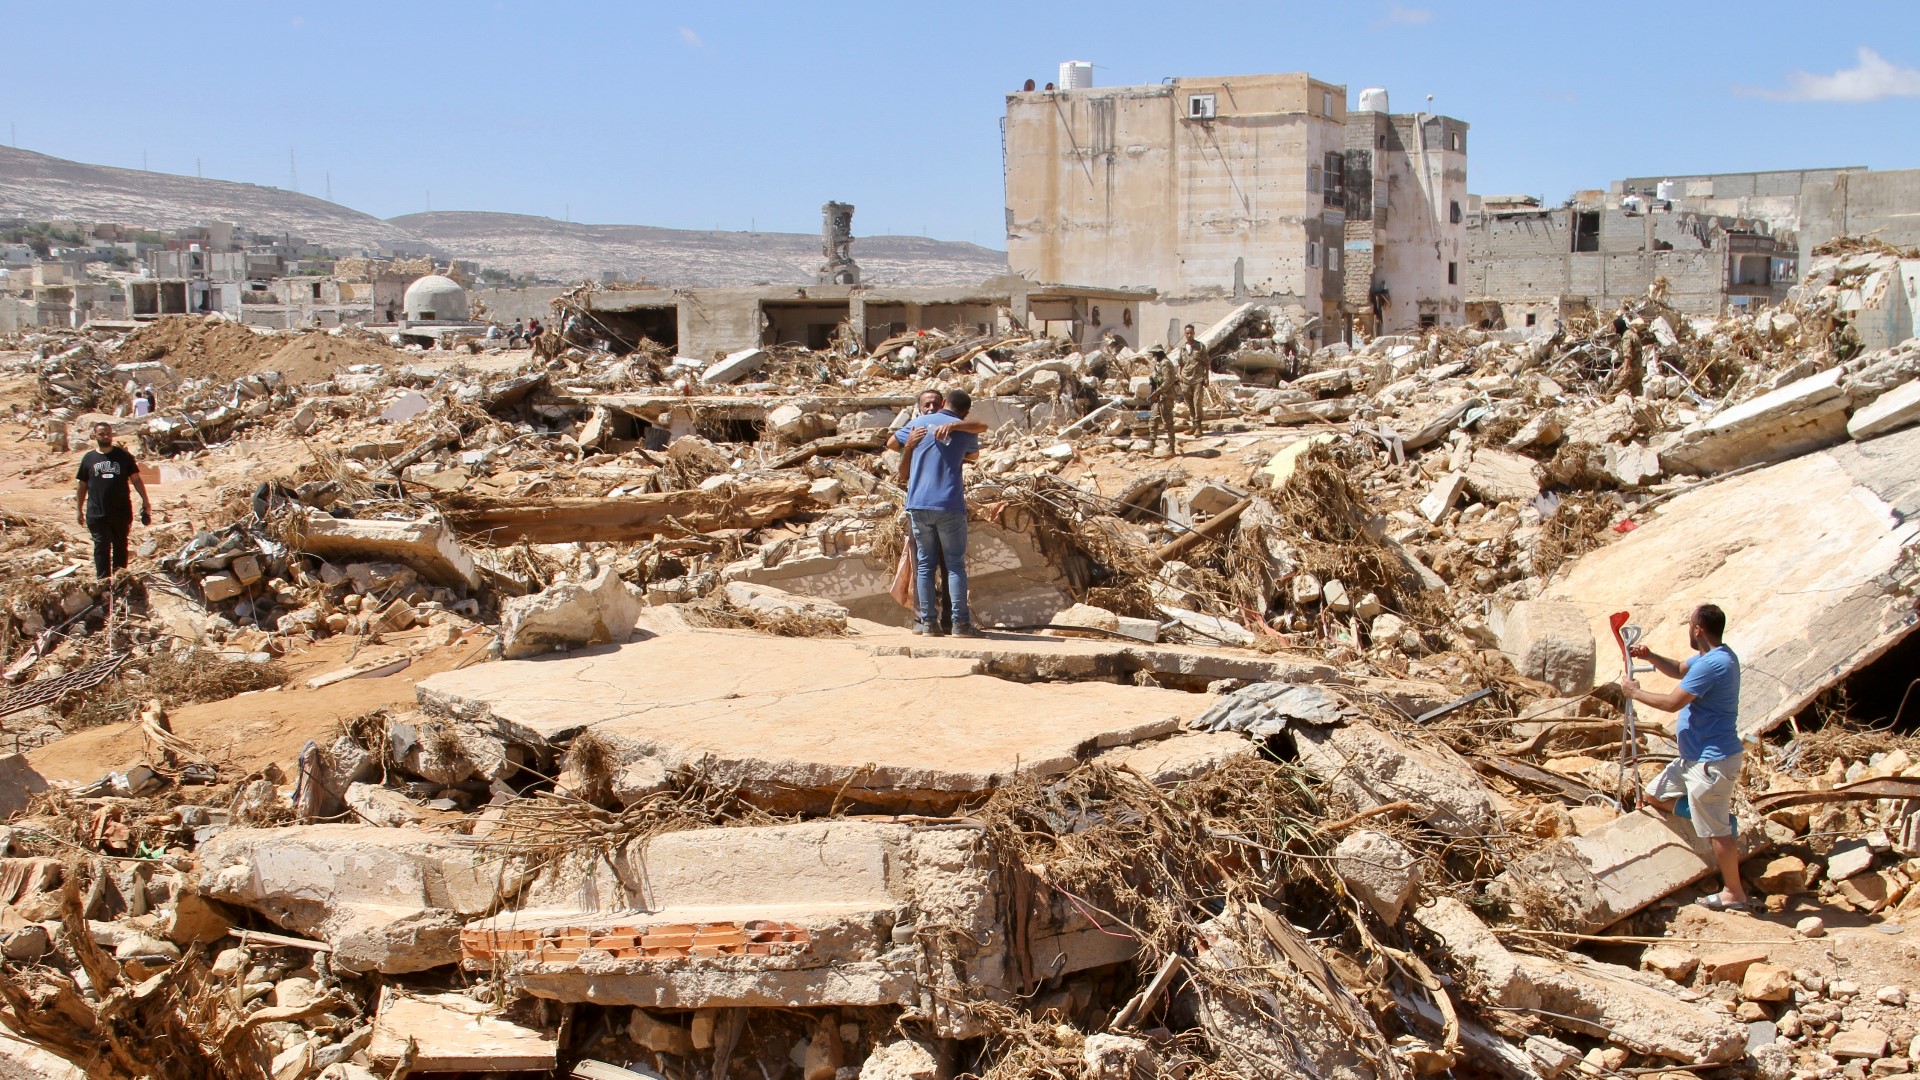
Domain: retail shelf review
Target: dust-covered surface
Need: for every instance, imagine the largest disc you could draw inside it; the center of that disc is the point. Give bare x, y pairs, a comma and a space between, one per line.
1383, 826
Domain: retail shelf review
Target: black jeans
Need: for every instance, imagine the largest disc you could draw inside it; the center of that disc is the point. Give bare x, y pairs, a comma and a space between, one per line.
109, 543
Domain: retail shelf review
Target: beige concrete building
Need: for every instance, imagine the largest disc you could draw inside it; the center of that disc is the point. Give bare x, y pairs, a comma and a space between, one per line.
1406, 184
1214, 191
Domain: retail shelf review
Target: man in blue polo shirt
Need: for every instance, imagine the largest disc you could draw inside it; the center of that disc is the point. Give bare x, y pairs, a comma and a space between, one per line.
938, 444
1708, 768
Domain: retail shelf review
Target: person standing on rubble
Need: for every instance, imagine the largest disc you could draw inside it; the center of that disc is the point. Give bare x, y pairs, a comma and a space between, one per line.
1196, 369
938, 445
102, 503
1165, 395
1700, 783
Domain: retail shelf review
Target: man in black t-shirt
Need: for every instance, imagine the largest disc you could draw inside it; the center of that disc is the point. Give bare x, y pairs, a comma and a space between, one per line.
100, 490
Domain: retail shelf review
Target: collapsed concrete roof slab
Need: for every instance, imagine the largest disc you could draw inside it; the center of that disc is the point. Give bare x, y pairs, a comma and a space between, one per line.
1033, 657
1811, 560
799, 720
424, 545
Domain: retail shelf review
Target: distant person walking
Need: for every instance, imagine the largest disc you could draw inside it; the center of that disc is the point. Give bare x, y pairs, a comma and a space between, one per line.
1196, 371
102, 501
1165, 395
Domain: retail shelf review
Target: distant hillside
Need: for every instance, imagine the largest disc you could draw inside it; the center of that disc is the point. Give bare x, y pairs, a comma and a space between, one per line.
569, 250
39, 187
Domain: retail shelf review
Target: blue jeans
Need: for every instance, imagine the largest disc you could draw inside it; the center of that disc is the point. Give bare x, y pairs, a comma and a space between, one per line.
940, 536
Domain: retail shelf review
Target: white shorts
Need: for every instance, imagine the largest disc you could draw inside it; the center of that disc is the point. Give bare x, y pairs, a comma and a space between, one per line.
1708, 787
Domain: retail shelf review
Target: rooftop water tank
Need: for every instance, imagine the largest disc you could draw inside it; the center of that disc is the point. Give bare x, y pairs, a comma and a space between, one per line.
1374, 99
1664, 190
1076, 74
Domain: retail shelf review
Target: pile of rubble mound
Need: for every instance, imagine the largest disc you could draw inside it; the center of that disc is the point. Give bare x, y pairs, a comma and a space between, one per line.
553, 712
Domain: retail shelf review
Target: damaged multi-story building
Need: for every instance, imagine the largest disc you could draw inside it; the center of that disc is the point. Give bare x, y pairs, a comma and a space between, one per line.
1247, 189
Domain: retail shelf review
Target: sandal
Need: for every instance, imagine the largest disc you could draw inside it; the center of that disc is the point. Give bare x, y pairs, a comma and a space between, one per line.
1713, 902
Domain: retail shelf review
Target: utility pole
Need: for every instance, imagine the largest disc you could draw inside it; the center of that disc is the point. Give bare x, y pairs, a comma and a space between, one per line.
329, 186
293, 170
143, 161
196, 169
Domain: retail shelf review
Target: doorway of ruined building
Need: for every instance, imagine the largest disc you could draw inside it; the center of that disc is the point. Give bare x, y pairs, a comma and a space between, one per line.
626, 330
808, 323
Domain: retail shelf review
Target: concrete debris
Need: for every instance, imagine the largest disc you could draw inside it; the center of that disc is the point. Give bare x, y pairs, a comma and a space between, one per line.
515, 681
601, 610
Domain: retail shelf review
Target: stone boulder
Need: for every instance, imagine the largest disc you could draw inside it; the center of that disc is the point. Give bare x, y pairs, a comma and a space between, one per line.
388, 900
1497, 476
1549, 640
599, 611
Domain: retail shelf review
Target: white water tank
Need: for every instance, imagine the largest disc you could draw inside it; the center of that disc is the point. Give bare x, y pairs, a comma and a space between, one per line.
1076, 74
1664, 191
1374, 99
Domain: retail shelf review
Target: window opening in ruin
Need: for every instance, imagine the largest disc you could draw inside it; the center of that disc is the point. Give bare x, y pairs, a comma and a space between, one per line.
1586, 230
1313, 254
1453, 273
1532, 318
1453, 211
1428, 322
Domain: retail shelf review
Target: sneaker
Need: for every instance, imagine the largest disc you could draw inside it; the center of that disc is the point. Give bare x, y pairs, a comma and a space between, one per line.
966, 630
924, 630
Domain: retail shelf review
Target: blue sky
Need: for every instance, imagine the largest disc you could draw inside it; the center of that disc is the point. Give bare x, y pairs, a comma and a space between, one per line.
738, 116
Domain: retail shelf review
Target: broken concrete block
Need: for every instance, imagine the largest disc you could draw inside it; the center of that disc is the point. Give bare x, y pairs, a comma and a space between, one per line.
1787, 422
1373, 767
1670, 962
1082, 616
425, 546
220, 586
1631, 465
1118, 1057
1379, 870
382, 806
1608, 874
19, 783
1608, 1002
1334, 595
453, 1033
389, 900
785, 612
1859, 1042
735, 366
1730, 964
1212, 499
658, 1035
598, 611
1492, 972
903, 1059
1549, 640
827, 491
247, 569
1786, 874
1766, 982
1446, 491
1849, 857
1890, 411
1497, 476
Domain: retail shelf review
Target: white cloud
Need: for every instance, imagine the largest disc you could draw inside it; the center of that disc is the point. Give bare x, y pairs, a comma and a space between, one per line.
687, 35
1400, 15
1873, 78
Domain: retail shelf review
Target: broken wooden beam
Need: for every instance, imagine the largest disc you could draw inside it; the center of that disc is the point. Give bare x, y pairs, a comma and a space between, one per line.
633, 517
1209, 531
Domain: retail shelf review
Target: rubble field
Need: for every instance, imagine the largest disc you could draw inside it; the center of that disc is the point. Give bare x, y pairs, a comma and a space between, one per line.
552, 711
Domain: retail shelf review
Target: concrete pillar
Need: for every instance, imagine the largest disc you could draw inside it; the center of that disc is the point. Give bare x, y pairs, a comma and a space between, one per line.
857, 317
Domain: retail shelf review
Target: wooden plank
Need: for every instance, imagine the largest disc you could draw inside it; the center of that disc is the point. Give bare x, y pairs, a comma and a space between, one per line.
634, 517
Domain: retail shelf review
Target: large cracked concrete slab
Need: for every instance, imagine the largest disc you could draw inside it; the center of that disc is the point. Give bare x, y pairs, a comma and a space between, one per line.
1812, 559
799, 720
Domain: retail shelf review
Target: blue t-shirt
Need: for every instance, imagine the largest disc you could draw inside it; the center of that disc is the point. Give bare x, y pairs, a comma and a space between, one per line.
1707, 727
935, 483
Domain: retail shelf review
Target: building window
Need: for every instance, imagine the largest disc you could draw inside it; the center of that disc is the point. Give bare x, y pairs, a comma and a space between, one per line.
1313, 178
1333, 257
1380, 141
1326, 103
1335, 184
1428, 322
1313, 254
1453, 273
1200, 106
1532, 318
1586, 230
1453, 140
1453, 211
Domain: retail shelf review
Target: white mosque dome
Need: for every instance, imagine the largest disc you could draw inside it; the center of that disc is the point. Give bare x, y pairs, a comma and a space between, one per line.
435, 298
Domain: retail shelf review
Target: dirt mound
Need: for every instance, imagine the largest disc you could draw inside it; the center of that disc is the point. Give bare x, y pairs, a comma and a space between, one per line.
197, 347
316, 357
221, 350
